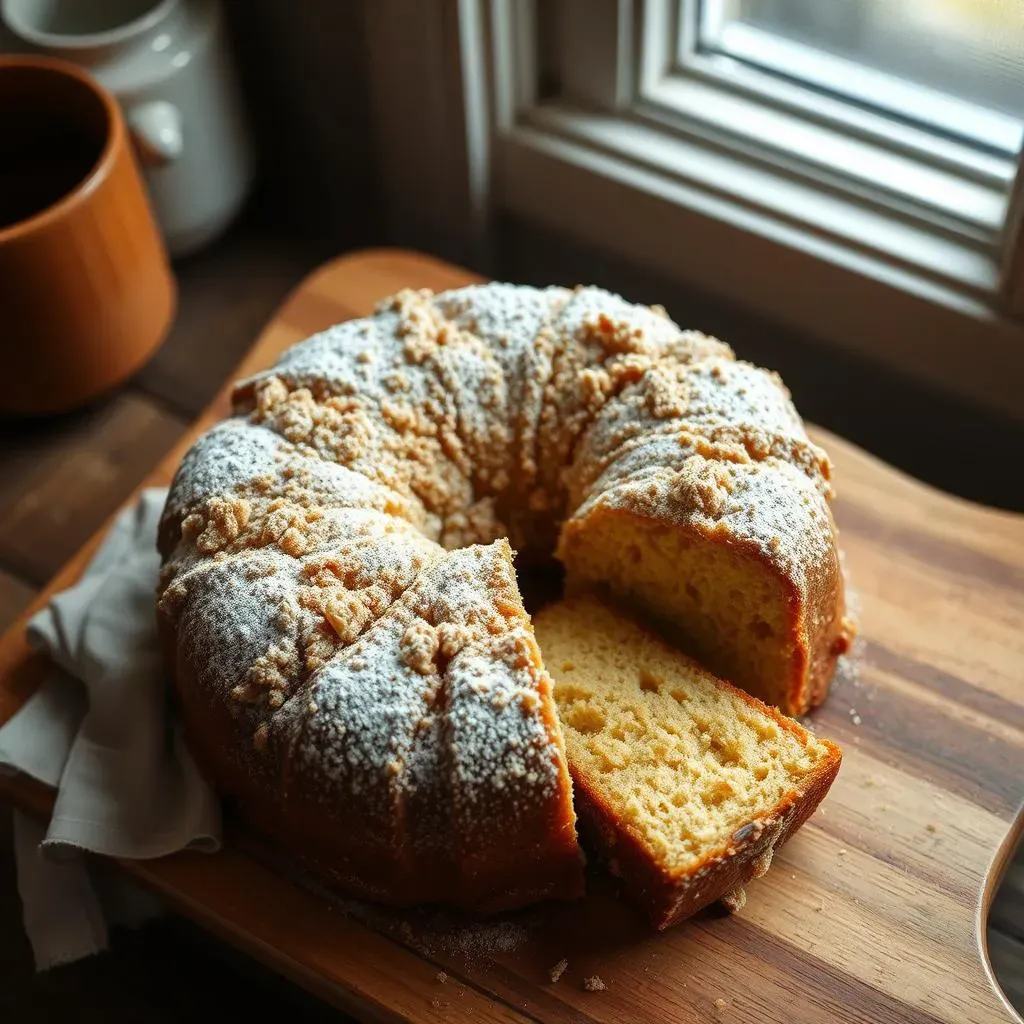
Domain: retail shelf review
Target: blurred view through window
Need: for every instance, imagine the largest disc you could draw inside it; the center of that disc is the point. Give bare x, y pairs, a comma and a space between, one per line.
954, 67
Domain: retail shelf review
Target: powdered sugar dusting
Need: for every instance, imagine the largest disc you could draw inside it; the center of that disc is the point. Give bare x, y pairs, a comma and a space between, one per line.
306, 576
382, 724
238, 624
770, 504
515, 324
742, 413
483, 940
601, 344
501, 753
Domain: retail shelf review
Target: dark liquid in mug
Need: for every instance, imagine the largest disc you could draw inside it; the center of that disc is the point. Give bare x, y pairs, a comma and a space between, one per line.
33, 180
51, 138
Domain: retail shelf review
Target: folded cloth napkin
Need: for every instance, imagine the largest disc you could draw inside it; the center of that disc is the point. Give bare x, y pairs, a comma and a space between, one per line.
100, 731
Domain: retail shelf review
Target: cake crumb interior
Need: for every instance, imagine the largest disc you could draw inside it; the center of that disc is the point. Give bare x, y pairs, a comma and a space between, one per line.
685, 760
724, 608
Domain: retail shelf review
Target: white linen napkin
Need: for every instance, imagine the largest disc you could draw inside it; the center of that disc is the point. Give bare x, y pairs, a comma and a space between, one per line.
100, 731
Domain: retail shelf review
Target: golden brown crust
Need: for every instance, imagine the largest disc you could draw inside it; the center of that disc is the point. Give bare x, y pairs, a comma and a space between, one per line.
825, 625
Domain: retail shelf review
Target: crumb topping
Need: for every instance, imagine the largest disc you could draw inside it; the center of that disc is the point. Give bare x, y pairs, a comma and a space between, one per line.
558, 970
735, 899
334, 564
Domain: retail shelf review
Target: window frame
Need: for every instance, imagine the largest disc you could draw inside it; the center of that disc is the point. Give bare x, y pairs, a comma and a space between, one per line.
1012, 282
811, 137
600, 164
484, 144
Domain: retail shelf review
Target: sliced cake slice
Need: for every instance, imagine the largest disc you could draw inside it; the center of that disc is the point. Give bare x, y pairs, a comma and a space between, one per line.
685, 784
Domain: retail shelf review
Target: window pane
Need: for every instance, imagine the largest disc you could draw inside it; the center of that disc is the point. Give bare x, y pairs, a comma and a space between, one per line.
956, 66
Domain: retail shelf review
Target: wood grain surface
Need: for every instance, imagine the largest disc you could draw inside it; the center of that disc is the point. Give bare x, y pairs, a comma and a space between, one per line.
872, 913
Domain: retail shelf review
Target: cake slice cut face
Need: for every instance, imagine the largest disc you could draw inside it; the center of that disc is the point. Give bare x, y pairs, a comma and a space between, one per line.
685, 784
699, 500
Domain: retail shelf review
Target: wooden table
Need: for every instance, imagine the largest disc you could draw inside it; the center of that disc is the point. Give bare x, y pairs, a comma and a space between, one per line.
870, 914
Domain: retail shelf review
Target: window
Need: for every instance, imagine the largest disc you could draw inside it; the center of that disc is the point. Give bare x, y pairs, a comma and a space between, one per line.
848, 167
915, 105
954, 68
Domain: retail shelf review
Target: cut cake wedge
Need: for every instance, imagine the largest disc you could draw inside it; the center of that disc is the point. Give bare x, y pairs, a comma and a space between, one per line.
685, 784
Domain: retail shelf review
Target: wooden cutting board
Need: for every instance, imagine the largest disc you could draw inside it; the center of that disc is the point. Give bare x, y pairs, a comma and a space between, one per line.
874, 912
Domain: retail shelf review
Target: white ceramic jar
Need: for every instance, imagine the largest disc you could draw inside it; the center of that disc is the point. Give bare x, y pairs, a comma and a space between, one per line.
167, 63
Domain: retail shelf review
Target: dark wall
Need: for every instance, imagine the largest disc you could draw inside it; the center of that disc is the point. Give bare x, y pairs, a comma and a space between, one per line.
304, 75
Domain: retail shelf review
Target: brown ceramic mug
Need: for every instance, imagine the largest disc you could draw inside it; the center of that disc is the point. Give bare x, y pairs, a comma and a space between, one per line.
86, 292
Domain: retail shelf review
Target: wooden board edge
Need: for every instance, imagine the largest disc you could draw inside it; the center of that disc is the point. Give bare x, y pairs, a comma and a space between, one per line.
993, 879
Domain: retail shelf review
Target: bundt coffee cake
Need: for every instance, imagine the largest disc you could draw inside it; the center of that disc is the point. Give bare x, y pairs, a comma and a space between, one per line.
341, 616
684, 783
